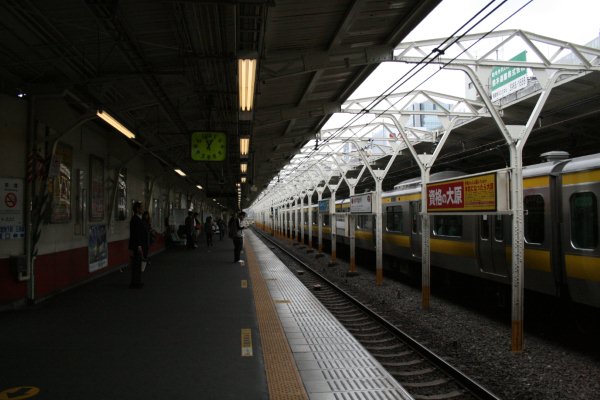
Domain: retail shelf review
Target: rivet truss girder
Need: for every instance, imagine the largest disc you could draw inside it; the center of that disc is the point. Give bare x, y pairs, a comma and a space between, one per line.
402, 103
481, 49
358, 144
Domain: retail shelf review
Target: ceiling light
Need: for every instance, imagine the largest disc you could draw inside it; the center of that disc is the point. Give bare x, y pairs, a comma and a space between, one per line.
246, 78
199, 187
243, 167
244, 146
115, 124
180, 172
243, 179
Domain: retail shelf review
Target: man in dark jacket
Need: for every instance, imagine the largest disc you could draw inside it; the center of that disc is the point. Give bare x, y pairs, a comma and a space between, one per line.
138, 245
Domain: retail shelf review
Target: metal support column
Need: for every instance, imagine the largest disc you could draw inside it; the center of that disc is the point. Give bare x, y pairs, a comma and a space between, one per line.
310, 219
378, 227
320, 191
333, 220
301, 237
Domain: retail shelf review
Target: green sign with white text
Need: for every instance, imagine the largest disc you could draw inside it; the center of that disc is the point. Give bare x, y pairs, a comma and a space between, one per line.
507, 80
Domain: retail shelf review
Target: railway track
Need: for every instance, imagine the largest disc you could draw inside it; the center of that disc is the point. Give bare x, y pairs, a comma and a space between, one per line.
421, 372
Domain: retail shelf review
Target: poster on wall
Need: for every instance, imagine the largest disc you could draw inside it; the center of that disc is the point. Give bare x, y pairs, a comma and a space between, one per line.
59, 184
96, 189
80, 202
121, 198
97, 247
11, 209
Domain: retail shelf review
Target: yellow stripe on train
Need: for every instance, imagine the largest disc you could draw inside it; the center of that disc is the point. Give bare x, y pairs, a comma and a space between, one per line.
452, 247
542, 181
583, 267
581, 177
534, 259
396, 239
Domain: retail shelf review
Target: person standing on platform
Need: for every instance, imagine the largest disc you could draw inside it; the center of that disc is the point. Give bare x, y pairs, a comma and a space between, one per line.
208, 231
197, 230
138, 245
151, 234
238, 236
222, 228
189, 231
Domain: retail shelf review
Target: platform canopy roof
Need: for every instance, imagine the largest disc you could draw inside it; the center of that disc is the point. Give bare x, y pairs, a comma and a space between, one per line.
371, 132
168, 68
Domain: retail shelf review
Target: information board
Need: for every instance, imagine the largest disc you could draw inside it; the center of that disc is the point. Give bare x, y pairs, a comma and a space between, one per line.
362, 203
325, 206
487, 192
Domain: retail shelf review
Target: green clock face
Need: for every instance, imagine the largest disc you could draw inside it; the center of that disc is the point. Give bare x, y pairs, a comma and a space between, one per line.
209, 146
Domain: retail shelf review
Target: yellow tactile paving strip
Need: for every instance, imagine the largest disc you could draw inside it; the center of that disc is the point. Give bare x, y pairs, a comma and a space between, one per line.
283, 378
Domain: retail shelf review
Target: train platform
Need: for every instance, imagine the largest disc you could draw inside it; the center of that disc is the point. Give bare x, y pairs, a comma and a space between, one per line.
202, 327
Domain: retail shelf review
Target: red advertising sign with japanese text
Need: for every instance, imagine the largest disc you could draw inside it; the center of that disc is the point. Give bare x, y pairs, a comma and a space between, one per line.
469, 194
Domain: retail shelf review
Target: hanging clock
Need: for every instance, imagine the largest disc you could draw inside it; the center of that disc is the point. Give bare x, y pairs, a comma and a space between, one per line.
209, 146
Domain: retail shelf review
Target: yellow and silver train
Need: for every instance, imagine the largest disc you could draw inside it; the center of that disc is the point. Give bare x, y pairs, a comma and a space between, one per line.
562, 249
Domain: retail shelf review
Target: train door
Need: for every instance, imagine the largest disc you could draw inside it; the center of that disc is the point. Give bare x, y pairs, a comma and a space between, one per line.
415, 229
491, 244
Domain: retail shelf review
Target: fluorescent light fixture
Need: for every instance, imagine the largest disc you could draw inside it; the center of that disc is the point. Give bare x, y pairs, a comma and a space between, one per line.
244, 146
243, 167
109, 119
246, 78
199, 187
243, 179
180, 172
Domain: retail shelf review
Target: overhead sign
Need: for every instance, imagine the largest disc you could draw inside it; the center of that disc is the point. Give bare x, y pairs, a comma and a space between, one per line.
325, 206
488, 192
507, 80
362, 203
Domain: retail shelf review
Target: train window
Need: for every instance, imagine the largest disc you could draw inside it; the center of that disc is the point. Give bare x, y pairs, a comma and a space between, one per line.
499, 228
484, 228
361, 222
393, 221
325, 219
584, 220
534, 218
447, 225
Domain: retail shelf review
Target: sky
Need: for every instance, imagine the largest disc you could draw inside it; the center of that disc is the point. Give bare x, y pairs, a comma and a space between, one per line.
576, 21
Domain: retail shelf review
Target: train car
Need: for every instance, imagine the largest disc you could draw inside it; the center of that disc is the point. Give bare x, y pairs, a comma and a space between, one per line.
580, 188
562, 255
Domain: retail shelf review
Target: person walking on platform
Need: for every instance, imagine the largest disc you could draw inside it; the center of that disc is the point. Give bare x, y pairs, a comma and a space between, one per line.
138, 245
237, 234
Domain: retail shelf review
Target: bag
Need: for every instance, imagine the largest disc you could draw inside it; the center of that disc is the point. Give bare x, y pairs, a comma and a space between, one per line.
232, 228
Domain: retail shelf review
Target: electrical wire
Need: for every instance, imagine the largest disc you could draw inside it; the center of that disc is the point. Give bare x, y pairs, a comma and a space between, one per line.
419, 66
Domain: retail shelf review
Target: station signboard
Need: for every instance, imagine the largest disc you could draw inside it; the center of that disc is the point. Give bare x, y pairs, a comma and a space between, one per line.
475, 193
325, 206
507, 80
362, 203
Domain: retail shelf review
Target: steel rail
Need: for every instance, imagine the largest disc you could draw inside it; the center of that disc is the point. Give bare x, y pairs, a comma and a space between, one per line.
463, 380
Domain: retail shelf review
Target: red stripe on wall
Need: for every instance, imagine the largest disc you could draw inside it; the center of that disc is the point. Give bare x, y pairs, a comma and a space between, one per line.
59, 271
10, 289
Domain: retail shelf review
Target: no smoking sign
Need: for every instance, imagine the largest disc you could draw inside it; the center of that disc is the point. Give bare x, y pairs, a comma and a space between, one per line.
10, 200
